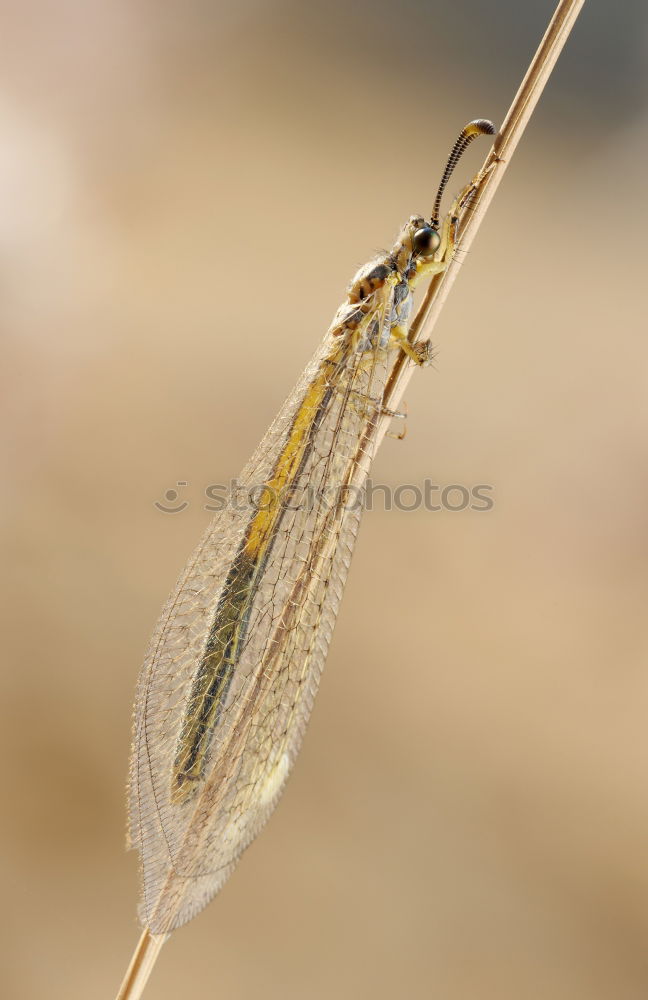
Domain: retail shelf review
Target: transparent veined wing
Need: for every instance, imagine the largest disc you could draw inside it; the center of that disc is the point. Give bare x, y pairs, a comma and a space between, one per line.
235, 660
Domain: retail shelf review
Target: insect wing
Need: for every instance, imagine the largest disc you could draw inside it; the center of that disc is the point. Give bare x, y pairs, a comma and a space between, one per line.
249, 727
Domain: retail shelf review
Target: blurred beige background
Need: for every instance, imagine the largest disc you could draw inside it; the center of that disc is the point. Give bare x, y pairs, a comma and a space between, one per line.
186, 190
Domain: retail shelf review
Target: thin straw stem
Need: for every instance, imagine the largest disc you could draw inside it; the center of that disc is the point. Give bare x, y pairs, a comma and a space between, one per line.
141, 964
497, 160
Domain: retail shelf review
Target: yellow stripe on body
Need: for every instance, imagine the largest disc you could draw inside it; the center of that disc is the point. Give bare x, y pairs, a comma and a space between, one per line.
260, 532
230, 623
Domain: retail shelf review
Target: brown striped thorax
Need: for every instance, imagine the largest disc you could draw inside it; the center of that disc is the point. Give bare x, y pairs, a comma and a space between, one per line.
415, 250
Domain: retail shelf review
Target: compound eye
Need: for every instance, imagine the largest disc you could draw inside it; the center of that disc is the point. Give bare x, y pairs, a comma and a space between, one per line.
426, 240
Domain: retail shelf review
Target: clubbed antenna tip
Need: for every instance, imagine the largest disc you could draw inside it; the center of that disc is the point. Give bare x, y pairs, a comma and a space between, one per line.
480, 126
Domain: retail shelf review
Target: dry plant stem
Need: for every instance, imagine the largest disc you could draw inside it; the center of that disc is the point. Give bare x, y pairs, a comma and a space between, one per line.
141, 964
496, 163
515, 122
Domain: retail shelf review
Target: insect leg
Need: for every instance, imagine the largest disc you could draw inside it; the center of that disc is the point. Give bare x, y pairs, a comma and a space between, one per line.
385, 411
398, 338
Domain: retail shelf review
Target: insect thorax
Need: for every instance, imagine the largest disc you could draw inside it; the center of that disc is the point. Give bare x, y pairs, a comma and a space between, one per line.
400, 264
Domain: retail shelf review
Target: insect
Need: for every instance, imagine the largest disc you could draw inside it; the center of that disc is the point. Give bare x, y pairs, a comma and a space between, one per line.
234, 663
